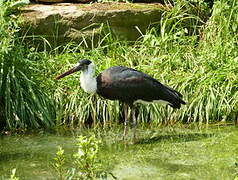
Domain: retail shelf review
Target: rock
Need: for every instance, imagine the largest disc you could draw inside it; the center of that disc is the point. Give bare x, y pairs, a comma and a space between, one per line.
83, 1
48, 1
60, 1
88, 23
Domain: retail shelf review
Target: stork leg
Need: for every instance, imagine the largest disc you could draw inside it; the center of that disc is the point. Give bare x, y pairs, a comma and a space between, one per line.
134, 123
126, 121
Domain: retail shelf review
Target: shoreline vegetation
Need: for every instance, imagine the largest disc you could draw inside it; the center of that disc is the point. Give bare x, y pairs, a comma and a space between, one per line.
200, 61
39, 114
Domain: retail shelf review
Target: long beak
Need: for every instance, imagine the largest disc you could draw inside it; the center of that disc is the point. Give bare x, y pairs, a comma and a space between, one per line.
72, 70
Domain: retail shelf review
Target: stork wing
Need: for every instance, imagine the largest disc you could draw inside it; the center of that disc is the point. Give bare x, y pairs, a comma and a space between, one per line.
129, 85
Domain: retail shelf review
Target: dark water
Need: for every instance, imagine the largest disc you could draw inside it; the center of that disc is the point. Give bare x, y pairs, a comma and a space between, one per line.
159, 154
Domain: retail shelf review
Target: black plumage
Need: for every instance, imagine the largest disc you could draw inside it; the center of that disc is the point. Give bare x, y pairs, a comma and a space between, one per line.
129, 85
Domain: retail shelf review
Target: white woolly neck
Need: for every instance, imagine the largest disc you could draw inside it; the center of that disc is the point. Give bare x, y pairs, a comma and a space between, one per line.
87, 80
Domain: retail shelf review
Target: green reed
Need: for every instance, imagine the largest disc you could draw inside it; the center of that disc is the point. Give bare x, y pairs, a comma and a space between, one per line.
187, 50
23, 103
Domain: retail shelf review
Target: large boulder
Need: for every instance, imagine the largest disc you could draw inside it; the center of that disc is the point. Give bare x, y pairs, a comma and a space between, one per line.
83, 23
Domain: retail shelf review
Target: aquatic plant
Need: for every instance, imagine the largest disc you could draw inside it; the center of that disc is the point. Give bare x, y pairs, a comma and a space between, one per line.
59, 162
13, 175
85, 165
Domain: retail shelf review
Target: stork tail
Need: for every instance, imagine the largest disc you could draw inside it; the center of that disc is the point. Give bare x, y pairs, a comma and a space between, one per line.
175, 98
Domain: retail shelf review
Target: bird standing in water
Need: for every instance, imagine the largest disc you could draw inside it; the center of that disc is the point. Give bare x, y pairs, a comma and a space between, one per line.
126, 85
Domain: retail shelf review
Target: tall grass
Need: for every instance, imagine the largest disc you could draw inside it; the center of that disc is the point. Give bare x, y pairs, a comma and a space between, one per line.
202, 66
23, 103
196, 57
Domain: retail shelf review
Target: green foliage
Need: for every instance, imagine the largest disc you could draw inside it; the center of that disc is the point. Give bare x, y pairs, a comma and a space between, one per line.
13, 175
59, 162
195, 56
22, 101
11, 7
85, 164
236, 173
202, 66
85, 159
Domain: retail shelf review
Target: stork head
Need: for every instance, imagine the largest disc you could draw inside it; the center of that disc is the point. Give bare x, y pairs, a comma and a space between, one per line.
82, 65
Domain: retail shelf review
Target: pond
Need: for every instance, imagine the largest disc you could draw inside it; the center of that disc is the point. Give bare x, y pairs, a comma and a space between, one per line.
160, 153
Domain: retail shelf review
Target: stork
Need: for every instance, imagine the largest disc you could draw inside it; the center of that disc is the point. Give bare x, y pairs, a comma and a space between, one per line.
126, 85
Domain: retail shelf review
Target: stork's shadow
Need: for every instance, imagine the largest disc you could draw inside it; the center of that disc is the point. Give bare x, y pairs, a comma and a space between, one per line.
175, 138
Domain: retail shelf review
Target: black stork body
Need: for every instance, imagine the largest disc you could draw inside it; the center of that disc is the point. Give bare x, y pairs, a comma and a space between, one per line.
126, 85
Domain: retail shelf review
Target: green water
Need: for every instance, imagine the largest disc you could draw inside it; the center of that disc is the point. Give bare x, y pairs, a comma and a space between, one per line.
163, 153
